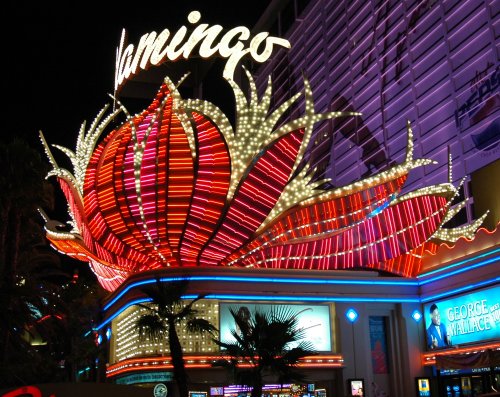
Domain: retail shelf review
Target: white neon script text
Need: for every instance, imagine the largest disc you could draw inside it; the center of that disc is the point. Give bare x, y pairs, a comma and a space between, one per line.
154, 49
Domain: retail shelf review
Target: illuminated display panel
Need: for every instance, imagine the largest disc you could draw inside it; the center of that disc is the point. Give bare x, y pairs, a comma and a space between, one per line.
314, 319
467, 318
423, 387
127, 345
356, 387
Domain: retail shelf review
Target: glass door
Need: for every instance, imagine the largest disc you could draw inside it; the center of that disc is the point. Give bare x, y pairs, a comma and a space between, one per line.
477, 385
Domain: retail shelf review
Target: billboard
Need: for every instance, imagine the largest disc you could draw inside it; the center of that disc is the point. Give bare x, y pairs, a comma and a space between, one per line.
314, 319
466, 318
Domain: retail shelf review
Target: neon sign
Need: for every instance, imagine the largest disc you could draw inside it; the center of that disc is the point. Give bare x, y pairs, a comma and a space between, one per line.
154, 49
470, 318
178, 185
25, 391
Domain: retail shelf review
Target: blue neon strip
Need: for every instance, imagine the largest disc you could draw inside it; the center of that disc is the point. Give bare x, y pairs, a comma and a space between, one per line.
320, 281
308, 298
458, 271
266, 299
459, 263
301, 281
263, 280
461, 289
131, 303
294, 280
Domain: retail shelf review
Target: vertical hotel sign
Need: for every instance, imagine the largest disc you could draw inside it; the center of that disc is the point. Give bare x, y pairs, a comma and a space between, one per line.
470, 318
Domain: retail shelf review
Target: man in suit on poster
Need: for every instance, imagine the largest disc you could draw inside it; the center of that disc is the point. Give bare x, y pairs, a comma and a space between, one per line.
437, 335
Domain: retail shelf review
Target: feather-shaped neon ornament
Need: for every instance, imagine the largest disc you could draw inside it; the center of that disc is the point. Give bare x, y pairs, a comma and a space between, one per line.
176, 185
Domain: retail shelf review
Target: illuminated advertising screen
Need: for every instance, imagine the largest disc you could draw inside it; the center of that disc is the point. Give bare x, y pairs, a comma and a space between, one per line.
356, 387
197, 394
467, 318
423, 387
466, 386
217, 391
314, 319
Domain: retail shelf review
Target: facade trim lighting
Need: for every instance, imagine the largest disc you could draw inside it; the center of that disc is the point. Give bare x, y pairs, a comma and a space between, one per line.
351, 314
416, 315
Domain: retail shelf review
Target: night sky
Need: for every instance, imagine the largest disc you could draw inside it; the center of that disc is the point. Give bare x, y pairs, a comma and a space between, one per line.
59, 61
59, 64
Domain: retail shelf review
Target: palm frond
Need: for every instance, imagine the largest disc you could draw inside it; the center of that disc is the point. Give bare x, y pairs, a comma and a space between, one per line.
293, 356
186, 310
165, 295
271, 342
200, 325
151, 326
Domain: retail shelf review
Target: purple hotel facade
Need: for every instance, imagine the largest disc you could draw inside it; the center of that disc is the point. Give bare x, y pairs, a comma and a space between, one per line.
435, 63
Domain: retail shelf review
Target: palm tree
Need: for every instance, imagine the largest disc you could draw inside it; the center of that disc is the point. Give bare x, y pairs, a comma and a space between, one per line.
166, 312
28, 270
266, 343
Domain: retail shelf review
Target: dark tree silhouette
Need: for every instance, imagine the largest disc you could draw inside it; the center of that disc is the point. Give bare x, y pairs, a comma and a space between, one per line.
27, 268
269, 344
165, 313
43, 314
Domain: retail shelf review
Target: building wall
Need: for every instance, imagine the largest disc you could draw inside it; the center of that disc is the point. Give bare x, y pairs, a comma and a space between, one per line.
351, 341
405, 341
468, 267
435, 63
486, 191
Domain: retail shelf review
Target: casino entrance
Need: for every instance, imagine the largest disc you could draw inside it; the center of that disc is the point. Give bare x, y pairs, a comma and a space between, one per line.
468, 382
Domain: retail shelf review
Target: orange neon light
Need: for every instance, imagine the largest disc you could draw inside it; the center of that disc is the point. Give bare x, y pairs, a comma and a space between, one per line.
430, 358
150, 363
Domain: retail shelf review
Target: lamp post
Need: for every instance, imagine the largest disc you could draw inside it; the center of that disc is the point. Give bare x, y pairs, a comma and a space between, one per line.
352, 315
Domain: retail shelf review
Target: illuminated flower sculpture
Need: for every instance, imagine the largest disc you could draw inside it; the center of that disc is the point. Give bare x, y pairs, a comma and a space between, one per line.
176, 186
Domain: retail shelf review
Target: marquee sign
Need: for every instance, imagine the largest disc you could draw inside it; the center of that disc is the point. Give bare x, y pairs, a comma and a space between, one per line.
178, 185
